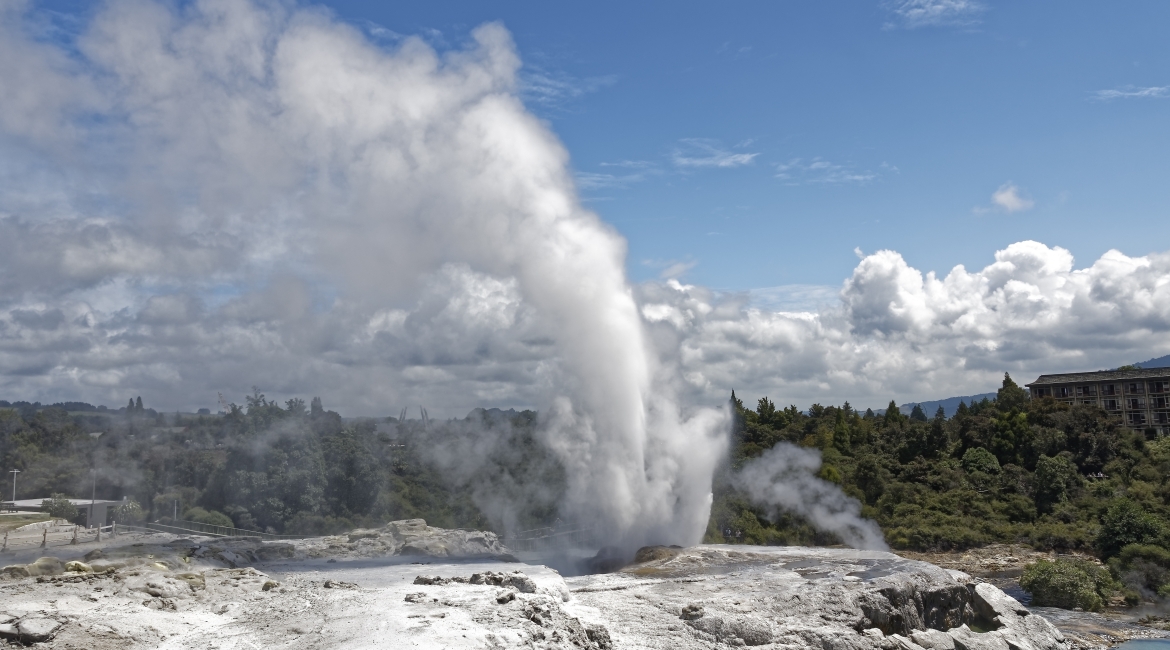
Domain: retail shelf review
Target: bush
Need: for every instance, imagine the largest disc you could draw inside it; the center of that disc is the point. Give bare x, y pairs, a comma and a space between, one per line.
211, 518
130, 512
1144, 569
58, 506
1056, 479
1068, 584
304, 523
978, 459
1125, 523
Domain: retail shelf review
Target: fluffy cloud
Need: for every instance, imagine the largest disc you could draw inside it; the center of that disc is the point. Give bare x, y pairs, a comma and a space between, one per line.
899, 333
1009, 199
268, 199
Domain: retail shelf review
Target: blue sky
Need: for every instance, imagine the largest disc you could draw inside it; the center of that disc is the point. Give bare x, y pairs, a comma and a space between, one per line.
824, 157
896, 130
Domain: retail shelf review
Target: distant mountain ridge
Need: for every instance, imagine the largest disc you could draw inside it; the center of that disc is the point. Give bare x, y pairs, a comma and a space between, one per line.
1160, 362
951, 404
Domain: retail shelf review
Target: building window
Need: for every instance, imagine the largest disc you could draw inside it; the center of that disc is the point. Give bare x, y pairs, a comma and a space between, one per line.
1162, 417
1137, 419
1135, 403
1159, 386
1043, 392
1158, 402
1064, 391
1086, 391
1109, 389
1111, 405
1135, 388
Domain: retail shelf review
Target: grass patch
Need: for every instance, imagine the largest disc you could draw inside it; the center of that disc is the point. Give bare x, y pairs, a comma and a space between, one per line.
12, 522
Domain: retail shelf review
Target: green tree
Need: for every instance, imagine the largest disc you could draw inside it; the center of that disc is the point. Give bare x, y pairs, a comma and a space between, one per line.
1056, 479
1010, 397
138, 405
893, 414
1067, 583
1125, 523
130, 512
58, 506
978, 459
917, 413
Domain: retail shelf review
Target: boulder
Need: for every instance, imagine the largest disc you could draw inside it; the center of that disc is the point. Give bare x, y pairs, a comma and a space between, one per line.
269, 551
405, 528
78, 567
652, 553
15, 571
46, 566
161, 586
37, 629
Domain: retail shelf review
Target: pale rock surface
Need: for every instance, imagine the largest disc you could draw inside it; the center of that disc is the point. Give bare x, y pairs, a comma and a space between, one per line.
363, 591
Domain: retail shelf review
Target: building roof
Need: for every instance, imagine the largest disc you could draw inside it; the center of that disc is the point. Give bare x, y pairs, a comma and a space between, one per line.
1102, 375
81, 503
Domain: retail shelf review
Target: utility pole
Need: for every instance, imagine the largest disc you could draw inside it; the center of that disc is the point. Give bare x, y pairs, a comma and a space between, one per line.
14, 472
92, 499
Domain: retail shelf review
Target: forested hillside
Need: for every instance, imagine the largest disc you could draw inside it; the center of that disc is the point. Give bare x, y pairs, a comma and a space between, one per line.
1005, 470
288, 469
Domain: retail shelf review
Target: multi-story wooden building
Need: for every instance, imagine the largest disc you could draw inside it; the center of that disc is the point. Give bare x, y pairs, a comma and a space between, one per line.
1141, 397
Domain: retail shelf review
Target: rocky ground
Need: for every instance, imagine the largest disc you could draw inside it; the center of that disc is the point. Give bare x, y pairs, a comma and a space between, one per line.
1003, 564
409, 585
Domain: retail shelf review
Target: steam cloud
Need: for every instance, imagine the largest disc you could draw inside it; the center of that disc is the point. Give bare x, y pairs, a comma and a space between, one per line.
783, 480
274, 145
233, 193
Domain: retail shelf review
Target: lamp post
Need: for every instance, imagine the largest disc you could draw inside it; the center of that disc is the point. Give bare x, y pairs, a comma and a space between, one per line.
14, 472
92, 500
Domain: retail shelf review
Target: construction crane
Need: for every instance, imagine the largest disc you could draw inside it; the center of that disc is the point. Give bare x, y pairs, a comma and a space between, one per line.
223, 405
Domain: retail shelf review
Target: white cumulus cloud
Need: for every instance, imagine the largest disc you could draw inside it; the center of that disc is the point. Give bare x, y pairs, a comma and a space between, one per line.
898, 333
1008, 198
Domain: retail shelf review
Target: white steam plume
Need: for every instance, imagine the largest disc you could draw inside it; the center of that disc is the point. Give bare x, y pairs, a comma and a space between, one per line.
241, 143
783, 478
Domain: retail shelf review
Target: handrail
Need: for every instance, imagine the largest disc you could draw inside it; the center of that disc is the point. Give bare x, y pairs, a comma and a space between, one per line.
219, 531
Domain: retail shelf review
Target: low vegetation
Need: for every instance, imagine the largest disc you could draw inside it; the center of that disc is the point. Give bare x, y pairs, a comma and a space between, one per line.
1071, 584
1011, 470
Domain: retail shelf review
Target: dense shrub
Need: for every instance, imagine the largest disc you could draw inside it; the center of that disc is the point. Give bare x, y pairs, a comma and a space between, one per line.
1144, 570
1069, 584
58, 506
306, 524
130, 512
211, 518
1125, 523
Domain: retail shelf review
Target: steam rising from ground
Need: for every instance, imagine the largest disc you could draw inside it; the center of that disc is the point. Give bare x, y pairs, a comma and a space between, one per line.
784, 479
274, 144
235, 193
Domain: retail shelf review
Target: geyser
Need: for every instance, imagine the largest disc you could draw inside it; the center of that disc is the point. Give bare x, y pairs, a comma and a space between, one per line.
328, 169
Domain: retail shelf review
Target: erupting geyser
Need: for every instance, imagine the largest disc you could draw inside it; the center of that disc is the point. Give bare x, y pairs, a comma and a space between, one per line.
330, 168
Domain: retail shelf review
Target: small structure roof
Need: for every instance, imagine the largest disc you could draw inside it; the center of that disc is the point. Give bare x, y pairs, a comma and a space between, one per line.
81, 503
1101, 375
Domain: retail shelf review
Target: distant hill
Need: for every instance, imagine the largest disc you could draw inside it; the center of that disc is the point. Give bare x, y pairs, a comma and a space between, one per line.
950, 404
1160, 362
